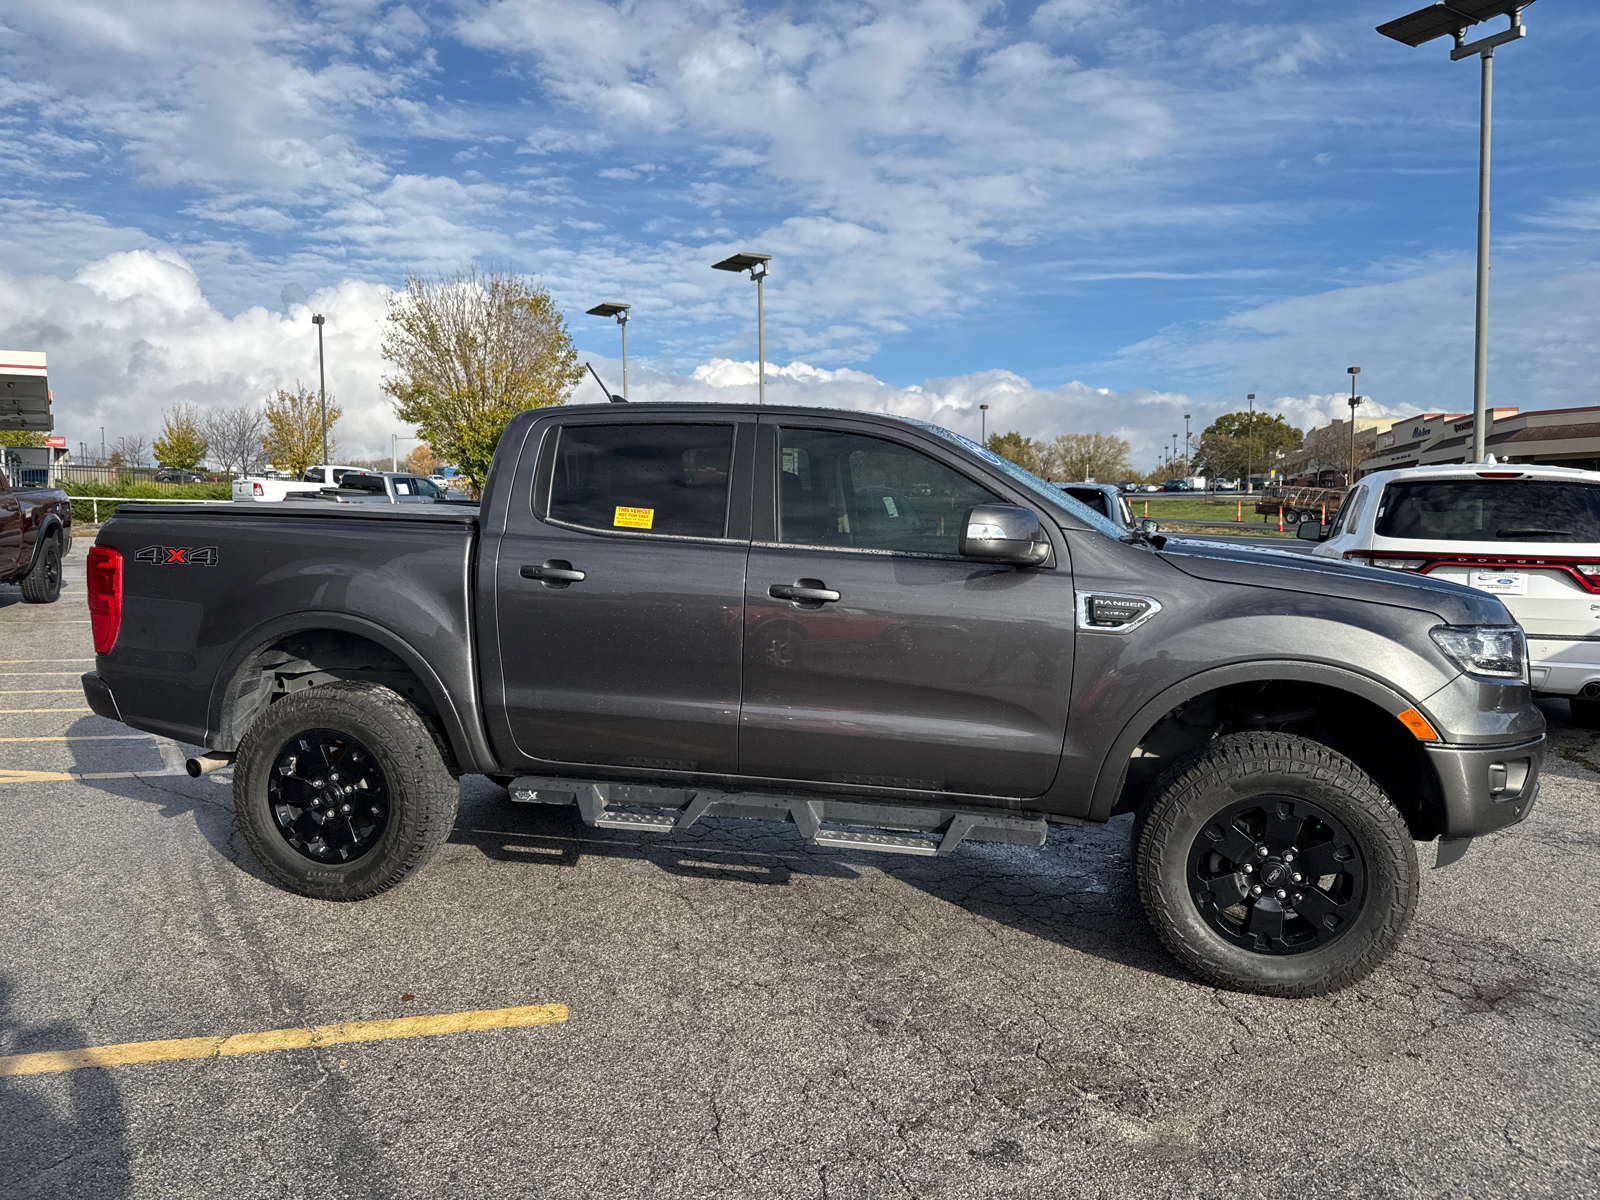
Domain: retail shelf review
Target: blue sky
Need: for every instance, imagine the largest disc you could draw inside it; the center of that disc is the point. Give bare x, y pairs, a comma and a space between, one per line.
1089, 215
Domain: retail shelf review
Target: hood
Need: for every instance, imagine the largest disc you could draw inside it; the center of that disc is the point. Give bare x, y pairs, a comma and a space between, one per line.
1289, 571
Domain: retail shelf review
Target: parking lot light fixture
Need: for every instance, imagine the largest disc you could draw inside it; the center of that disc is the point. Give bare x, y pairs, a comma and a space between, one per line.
1250, 444
1355, 402
620, 312
983, 425
1455, 18
322, 385
756, 264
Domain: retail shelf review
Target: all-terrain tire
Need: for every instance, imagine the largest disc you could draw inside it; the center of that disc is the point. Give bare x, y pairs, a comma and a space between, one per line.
1293, 776
421, 794
1585, 713
42, 584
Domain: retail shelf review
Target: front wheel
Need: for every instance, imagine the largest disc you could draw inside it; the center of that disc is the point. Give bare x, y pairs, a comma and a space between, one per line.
341, 791
1269, 863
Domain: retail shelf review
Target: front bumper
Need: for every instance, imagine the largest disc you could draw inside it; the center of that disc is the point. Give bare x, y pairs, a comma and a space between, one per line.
1486, 788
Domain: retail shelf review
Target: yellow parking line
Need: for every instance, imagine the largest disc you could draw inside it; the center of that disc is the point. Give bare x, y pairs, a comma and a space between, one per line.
281, 1039
43, 692
14, 711
10, 776
11, 662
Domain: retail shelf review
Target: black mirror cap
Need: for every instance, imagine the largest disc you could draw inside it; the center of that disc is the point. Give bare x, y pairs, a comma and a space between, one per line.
1003, 533
1311, 531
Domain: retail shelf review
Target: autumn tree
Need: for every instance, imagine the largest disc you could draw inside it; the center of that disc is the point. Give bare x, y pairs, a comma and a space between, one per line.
470, 351
1024, 451
1240, 439
233, 436
1083, 456
421, 460
181, 443
293, 438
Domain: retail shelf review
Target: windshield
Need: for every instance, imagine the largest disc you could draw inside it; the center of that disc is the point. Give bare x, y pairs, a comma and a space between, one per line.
1047, 492
1491, 510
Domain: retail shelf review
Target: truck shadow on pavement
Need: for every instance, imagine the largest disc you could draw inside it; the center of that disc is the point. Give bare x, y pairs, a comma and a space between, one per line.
1077, 891
63, 1134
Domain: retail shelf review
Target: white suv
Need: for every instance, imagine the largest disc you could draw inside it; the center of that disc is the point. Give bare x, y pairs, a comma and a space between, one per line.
1529, 534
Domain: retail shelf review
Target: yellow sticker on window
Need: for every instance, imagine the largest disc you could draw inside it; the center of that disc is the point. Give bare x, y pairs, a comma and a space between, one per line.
635, 518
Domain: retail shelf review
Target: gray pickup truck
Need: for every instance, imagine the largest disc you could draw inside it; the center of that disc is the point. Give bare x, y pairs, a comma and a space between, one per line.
866, 626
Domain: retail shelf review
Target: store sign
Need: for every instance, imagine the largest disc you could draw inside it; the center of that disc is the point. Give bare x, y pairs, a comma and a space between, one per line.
1385, 440
56, 440
1421, 431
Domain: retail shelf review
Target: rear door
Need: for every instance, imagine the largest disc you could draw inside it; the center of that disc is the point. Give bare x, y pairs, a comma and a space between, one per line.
619, 586
875, 654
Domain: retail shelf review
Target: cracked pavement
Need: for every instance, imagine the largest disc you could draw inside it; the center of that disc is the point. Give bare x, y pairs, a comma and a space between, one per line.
752, 1017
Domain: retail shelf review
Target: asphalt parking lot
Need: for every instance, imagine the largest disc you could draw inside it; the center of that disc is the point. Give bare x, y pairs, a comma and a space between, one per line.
745, 1016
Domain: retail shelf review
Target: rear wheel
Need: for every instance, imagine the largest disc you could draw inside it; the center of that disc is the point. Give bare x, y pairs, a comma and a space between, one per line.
341, 791
1268, 863
1585, 713
42, 585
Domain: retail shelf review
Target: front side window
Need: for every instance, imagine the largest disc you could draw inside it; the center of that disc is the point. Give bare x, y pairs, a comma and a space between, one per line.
1349, 513
643, 479
852, 491
1491, 510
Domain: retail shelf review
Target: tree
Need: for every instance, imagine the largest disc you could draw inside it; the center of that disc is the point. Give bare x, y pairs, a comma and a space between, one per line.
293, 437
134, 451
1098, 456
471, 351
421, 460
233, 437
181, 444
1236, 439
1024, 451
19, 438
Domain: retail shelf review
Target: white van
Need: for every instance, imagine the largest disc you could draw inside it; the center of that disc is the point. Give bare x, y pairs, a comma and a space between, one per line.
1528, 534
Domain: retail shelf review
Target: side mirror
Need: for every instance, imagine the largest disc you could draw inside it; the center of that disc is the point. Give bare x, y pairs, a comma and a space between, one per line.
1150, 525
1003, 533
1311, 531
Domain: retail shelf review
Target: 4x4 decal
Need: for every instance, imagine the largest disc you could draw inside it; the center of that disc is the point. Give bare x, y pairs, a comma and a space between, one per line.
184, 556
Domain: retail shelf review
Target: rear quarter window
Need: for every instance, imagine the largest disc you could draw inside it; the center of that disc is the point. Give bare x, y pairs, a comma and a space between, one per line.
1491, 510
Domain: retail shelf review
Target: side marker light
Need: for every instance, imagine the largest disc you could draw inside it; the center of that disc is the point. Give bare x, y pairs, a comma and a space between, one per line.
1418, 725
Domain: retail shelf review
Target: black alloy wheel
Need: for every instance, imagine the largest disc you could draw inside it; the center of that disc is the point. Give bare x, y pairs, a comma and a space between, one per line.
328, 796
1277, 875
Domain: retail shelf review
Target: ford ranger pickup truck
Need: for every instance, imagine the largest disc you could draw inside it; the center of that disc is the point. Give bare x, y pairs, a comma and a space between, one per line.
35, 535
862, 625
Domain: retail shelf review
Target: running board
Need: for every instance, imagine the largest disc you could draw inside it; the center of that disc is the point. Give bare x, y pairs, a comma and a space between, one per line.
923, 831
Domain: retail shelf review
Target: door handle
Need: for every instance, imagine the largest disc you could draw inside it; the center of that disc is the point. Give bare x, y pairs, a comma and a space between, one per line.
555, 573
806, 590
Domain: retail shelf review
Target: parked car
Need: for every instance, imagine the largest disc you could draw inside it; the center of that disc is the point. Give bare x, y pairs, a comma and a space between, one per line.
1106, 499
1284, 729
35, 534
1528, 535
276, 487
178, 475
1128, 485
381, 487
1177, 485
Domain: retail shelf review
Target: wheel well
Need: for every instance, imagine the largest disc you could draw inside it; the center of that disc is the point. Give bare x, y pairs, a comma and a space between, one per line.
310, 658
1357, 728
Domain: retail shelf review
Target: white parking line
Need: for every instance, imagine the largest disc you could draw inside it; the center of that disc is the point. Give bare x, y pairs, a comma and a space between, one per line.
11, 662
89, 737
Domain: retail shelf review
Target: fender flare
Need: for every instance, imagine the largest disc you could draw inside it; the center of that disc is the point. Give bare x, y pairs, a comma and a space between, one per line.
47, 528
1114, 766
467, 741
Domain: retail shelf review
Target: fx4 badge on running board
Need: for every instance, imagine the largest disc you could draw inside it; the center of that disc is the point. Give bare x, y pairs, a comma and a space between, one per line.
183, 556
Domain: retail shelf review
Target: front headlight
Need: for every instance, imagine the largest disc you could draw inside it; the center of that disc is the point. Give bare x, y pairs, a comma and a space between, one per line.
1499, 651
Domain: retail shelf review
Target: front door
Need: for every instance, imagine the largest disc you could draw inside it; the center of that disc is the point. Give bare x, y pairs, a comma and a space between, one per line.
875, 654
619, 587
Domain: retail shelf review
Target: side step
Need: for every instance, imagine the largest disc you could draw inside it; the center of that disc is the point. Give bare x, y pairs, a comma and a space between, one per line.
922, 831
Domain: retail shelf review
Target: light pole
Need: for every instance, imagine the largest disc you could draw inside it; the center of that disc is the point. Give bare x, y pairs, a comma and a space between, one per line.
1455, 18
394, 454
756, 264
1186, 442
322, 387
1355, 401
983, 426
620, 312
1250, 446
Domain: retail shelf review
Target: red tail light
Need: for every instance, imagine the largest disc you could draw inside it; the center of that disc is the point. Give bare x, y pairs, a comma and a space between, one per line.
257, 489
105, 597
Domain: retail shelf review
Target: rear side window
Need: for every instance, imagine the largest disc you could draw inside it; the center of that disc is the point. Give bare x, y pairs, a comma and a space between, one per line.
1349, 514
364, 483
643, 479
1491, 510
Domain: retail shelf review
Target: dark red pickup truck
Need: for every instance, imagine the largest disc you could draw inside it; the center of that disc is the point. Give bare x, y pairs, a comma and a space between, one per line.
35, 532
